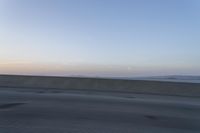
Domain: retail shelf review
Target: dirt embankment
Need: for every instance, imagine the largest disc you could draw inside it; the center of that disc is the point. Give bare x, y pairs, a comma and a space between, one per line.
135, 86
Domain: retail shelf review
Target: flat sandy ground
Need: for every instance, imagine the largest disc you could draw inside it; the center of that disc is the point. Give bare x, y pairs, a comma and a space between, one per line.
58, 111
100, 84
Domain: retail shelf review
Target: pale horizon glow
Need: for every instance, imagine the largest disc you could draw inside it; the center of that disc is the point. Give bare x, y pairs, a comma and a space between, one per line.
120, 38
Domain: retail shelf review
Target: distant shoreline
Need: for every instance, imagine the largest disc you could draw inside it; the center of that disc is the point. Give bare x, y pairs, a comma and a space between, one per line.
101, 84
169, 78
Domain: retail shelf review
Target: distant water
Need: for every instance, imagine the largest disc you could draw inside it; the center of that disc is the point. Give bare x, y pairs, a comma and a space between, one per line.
186, 79
172, 80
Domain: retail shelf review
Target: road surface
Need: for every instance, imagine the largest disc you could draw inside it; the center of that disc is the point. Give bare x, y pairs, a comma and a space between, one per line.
40, 111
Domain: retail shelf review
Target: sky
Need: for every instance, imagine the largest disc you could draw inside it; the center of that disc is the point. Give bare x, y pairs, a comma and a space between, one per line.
119, 38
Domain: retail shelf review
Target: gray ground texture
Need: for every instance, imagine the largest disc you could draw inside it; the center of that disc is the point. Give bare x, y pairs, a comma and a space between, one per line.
52, 111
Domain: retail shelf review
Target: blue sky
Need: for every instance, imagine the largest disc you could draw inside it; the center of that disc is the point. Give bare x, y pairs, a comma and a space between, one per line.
100, 37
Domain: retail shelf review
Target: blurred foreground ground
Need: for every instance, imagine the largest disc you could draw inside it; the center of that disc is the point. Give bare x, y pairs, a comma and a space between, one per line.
61, 111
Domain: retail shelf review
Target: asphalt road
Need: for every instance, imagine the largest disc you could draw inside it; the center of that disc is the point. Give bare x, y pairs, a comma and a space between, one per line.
23, 111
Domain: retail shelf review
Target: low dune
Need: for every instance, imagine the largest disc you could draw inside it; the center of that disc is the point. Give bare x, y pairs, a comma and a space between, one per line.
100, 84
